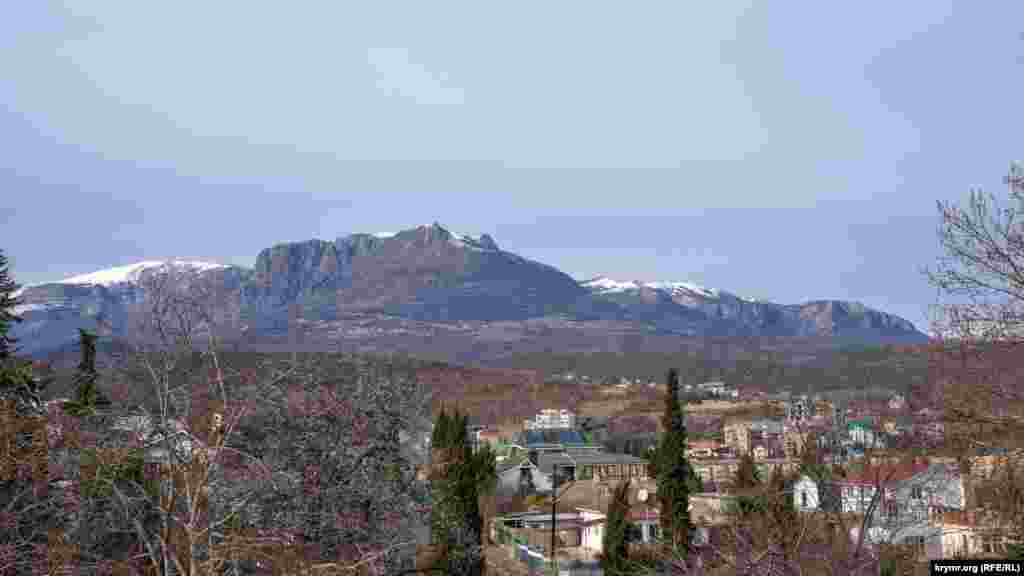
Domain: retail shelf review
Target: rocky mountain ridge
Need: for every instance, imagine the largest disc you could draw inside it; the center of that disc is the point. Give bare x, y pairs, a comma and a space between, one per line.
429, 275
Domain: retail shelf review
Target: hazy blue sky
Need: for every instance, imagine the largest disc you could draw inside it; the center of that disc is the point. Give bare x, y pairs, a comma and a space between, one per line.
784, 150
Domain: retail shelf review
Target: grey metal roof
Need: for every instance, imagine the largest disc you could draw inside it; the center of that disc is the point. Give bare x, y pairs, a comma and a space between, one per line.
546, 462
511, 463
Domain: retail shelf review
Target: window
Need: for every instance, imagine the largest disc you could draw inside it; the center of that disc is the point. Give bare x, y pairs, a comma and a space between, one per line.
803, 499
916, 492
893, 510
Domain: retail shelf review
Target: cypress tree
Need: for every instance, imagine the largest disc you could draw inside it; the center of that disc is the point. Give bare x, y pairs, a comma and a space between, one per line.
7, 315
456, 522
674, 474
615, 557
87, 394
438, 440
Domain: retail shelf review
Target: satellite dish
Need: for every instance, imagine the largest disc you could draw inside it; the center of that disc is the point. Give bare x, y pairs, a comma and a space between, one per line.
642, 495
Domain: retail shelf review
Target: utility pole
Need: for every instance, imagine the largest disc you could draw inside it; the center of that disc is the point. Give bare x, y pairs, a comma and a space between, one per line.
555, 498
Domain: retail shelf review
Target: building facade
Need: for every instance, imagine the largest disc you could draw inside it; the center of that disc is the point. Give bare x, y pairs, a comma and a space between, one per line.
551, 419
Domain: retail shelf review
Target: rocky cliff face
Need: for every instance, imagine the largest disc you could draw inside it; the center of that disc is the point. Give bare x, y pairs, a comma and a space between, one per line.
676, 305
431, 274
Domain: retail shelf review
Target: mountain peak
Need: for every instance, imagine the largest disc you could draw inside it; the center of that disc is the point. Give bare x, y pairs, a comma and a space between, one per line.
437, 232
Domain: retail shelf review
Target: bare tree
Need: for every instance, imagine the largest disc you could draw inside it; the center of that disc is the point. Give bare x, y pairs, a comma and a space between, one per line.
332, 488
982, 269
974, 385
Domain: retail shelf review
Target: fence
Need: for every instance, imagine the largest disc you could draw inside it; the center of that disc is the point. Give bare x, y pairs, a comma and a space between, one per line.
535, 560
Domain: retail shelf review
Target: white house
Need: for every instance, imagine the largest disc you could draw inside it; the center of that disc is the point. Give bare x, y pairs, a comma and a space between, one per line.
592, 524
806, 497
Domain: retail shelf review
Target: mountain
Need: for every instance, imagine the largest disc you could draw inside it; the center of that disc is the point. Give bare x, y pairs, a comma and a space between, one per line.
424, 281
725, 313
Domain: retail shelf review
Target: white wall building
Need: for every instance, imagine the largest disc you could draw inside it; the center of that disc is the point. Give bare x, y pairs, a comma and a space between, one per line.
551, 418
806, 497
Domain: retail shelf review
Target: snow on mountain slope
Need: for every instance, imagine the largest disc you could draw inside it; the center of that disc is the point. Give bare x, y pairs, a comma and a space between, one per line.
609, 286
131, 272
672, 287
605, 285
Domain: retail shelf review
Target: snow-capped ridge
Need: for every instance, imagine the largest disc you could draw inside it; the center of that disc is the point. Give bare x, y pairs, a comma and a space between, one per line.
130, 273
605, 285
672, 287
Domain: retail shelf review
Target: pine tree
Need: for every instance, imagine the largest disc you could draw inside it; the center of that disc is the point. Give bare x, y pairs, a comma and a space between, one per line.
615, 558
7, 315
17, 379
674, 474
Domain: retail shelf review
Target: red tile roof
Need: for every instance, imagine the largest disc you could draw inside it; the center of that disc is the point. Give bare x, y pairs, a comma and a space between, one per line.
642, 514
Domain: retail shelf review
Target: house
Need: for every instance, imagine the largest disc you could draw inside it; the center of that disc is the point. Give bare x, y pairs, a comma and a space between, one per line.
760, 452
702, 448
551, 418
723, 471
520, 476
823, 408
806, 497
490, 437
897, 402
987, 461
736, 434
532, 439
913, 492
595, 466
862, 433
766, 427
717, 389
961, 534
798, 408
635, 443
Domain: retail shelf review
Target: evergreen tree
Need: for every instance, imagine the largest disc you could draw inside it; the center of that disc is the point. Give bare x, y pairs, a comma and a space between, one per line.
17, 379
7, 315
675, 476
615, 557
438, 440
461, 478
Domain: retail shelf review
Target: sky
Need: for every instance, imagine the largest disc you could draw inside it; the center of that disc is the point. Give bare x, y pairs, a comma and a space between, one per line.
786, 150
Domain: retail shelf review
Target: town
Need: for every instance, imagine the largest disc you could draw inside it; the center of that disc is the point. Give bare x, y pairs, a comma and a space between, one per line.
555, 476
